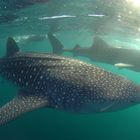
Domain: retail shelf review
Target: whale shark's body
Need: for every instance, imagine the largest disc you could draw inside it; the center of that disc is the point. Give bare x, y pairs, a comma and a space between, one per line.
47, 80
100, 51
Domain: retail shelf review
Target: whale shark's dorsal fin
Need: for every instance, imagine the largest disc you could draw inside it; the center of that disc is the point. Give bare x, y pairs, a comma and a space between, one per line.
56, 44
99, 43
75, 49
23, 103
12, 47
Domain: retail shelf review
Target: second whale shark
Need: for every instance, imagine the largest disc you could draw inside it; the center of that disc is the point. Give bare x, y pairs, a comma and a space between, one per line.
51, 81
102, 52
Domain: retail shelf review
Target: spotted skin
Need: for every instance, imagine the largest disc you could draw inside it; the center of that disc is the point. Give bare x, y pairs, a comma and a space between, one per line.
65, 84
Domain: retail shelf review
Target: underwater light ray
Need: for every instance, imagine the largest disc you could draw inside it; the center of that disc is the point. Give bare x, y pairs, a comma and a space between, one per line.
135, 3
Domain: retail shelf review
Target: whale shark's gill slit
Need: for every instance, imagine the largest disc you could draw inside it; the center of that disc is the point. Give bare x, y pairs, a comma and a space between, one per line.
19, 105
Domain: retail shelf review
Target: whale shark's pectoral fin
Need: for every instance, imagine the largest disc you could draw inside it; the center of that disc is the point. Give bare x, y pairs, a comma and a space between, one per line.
19, 105
123, 65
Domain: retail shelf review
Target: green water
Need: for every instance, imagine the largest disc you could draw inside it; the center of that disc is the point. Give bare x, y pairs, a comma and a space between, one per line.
119, 26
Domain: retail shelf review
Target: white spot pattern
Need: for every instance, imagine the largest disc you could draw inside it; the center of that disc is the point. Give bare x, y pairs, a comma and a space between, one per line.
66, 83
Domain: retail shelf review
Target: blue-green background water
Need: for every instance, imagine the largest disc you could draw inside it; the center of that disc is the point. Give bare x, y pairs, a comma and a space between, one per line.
116, 21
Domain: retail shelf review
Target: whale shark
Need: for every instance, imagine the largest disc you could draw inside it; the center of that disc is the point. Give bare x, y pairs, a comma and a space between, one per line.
102, 52
66, 84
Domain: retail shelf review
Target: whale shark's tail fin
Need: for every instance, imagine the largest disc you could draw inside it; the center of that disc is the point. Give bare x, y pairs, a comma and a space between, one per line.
11, 47
56, 44
98, 43
19, 105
